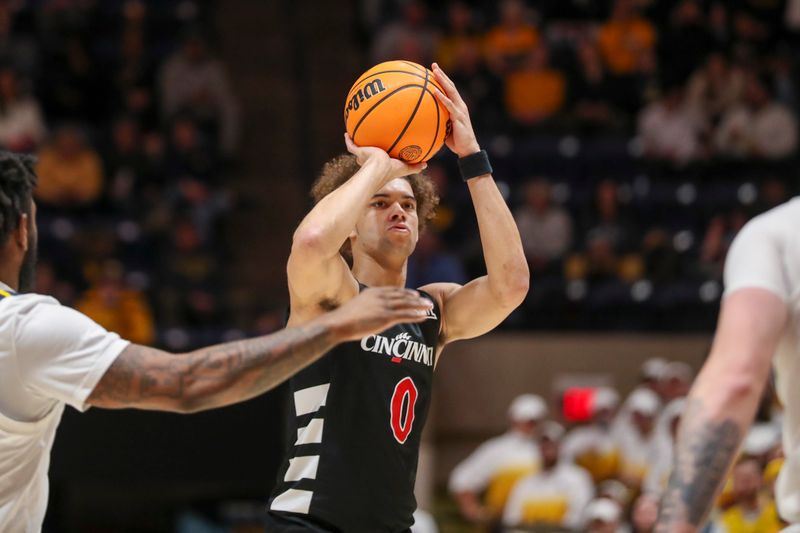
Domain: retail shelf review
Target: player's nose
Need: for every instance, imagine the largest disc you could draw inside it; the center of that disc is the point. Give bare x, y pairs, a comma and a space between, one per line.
396, 212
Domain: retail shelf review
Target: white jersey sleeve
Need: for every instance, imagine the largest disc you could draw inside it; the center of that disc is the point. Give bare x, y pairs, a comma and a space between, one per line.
756, 259
61, 353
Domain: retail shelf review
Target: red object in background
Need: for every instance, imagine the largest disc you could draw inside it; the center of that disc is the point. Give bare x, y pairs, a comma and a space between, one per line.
577, 404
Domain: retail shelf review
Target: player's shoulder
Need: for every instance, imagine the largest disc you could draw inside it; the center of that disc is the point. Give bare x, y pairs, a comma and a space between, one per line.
21, 304
439, 290
782, 219
772, 230
33, 315
19, 311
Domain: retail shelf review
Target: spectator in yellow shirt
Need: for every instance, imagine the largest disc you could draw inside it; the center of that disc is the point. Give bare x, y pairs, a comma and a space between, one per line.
626, 40
510, 41
116, 306
536, 92
554, 497
496, 466
70, 171
751, 511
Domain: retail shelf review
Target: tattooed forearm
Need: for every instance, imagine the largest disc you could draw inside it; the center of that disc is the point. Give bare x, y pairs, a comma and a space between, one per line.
704, 451
211, 377
147, 378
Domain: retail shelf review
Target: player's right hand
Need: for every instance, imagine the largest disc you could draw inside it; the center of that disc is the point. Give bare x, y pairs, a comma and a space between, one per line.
375, 310
395, 168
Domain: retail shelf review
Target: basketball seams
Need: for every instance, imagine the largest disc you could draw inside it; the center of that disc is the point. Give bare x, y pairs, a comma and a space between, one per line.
413, 114
427, 90
438, 120
360, 82
436, 129
416, 66
379, 102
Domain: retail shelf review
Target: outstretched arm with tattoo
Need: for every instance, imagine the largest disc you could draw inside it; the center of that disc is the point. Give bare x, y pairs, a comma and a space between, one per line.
721, 405
147, 378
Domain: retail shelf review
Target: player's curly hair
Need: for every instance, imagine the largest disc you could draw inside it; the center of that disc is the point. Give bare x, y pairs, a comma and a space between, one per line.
342, 167
17, 181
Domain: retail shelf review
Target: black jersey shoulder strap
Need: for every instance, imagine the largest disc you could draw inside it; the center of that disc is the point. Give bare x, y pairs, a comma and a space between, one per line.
434, 313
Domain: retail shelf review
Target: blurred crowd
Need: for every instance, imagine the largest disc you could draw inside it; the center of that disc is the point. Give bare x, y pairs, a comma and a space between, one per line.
633, 139
600, 465
136, 129
695, 78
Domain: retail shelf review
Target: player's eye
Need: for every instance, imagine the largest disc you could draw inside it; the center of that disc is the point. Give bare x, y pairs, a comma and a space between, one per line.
410, 206
379, 203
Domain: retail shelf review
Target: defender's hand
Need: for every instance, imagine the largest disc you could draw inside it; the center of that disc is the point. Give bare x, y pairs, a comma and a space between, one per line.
375, 310
461, 141
394, 167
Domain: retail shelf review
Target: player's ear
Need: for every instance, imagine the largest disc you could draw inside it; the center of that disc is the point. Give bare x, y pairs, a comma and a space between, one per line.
20, 234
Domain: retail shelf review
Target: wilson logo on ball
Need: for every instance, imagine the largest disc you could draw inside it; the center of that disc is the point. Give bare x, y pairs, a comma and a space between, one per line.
410, 153
365, 93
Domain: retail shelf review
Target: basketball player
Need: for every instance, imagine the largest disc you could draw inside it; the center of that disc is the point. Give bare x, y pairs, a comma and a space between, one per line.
357, 415
758, 326
52, 355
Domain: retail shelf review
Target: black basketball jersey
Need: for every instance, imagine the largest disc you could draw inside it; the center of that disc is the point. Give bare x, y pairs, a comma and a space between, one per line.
356, 419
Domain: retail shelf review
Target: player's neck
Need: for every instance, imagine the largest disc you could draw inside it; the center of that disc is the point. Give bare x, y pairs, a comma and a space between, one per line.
10, 266
374, 274
10, 279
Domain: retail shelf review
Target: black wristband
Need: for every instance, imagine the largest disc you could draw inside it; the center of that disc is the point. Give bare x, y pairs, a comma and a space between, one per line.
474, 165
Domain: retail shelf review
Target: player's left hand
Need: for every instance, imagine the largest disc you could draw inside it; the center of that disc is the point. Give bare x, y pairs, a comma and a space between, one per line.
461, 141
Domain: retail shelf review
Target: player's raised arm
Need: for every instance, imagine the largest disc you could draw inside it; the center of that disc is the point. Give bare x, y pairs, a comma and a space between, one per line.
483, 303
315, 268
147, 378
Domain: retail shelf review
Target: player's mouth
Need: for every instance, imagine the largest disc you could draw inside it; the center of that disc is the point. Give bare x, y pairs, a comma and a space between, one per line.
399, 227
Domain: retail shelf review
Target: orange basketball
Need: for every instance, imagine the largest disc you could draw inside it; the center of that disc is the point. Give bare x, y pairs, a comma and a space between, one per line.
392, 106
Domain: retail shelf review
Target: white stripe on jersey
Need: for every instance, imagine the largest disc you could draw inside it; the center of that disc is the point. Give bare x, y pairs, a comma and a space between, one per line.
293, 501
303, 467
306, 401
310, 399
310, 434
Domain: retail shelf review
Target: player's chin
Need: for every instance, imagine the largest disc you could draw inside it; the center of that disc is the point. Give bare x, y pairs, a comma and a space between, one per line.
404, 241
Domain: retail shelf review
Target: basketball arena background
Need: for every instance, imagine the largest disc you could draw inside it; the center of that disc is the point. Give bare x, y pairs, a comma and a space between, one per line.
177, 140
